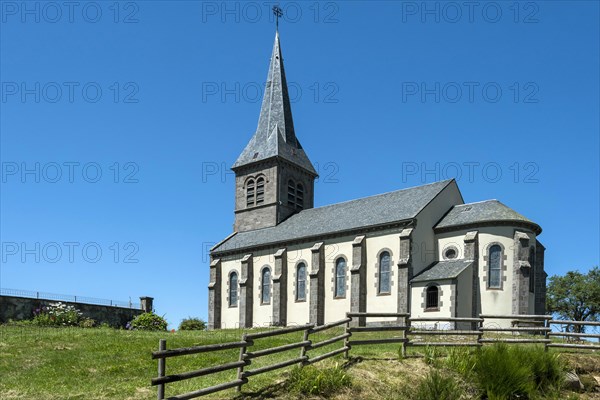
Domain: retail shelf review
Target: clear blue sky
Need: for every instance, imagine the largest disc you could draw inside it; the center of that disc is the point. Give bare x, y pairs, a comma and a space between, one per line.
161, 97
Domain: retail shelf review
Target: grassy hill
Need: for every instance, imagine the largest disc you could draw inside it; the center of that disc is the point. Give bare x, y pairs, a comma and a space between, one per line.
74, 363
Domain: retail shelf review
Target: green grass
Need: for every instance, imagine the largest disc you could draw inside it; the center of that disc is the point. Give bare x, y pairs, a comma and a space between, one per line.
437, 386
75, 363
311, 380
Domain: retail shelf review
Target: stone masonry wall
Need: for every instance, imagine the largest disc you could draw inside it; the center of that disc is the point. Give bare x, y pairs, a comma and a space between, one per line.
21, 308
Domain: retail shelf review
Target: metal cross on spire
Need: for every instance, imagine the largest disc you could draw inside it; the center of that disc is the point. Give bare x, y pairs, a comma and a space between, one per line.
278, 12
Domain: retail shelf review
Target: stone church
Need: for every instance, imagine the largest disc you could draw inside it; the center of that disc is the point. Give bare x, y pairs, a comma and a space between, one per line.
420, 250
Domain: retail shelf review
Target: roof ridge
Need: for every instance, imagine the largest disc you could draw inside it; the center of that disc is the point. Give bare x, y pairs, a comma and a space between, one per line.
376, 195
482, 201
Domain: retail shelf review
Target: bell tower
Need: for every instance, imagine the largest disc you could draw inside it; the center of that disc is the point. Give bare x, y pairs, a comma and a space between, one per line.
273, 176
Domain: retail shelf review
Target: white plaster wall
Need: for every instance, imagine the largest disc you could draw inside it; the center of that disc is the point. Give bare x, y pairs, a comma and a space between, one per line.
492, 301
298, 312
375, 243
450, 240
262, 314
424, 244
417, 299
230, 316
335, 309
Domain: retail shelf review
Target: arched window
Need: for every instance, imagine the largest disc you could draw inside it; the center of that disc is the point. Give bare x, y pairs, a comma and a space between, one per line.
233, 289
299, 196
301, 282
265, 295
340, 277
260, 190
384, 272
432, 298
494, 268
532, 269
250, 193
291, 193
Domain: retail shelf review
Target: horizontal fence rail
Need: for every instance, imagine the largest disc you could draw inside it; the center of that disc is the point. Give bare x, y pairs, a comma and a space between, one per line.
534, 324
67, 298
419, 327
574, 335
403, 330
401, 325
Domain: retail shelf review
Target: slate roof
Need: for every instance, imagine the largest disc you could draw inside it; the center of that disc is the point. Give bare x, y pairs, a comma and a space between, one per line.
275, 135
369, 211
441, 270
480, 213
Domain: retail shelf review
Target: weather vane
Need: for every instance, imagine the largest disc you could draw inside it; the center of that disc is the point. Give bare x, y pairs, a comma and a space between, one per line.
278, 12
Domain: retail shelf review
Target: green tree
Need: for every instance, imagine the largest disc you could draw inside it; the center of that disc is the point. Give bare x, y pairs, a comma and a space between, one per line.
575, 296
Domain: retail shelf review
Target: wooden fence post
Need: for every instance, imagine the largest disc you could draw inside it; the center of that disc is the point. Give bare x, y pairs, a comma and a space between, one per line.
162, 364
241, 369
303, 348
546, 333
480, 325
405, 336
347, 339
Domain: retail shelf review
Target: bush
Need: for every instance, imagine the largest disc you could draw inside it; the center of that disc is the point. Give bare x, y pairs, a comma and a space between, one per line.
431, 355
192, 324
435, 386
503, 373
148, 322
310, 380
57, 314
547, 368
461, 360
87, 323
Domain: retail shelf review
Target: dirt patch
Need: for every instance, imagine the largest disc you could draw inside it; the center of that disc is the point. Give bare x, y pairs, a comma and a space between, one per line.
583, 363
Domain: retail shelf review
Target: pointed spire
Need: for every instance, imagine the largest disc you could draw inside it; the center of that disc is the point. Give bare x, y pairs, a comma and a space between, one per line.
275, 134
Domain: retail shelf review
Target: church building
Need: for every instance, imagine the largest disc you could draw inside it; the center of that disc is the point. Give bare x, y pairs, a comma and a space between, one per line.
420, 250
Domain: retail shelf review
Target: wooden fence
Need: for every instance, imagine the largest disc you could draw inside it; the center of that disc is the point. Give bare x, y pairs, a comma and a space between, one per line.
571, 335
246, 356
412, 332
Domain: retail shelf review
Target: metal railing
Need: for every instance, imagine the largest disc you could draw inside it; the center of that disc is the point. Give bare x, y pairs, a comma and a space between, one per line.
67, 298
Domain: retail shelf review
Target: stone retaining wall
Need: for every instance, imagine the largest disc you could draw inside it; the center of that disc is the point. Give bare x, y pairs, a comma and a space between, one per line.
21, 308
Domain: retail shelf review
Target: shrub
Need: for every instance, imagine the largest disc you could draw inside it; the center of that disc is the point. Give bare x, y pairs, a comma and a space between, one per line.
547, 368
192, 324
57, 314
148, 322
431, 355
87, 323
461, 360
310, 380
503, 373
435, 386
